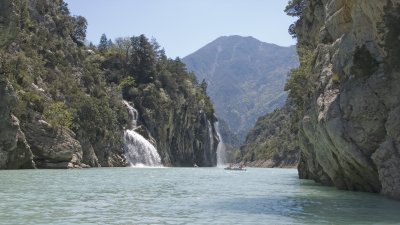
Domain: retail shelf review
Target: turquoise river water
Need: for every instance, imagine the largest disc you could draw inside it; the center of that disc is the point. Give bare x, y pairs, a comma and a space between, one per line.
182, 196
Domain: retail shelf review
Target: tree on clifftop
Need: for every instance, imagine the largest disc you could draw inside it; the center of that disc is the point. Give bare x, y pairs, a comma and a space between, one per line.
295, 8
143, 59
103, 45
79, 29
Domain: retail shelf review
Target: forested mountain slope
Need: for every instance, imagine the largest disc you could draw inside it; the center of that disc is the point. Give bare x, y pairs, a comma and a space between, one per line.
273, 140
245, 78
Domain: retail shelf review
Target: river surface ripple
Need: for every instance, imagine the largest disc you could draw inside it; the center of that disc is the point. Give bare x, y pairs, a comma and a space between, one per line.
182, 196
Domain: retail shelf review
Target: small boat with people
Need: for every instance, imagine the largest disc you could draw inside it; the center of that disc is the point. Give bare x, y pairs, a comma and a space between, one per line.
236, 167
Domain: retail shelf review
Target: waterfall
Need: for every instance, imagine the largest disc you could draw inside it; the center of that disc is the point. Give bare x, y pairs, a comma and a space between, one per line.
211, 136
139, 152
221, 149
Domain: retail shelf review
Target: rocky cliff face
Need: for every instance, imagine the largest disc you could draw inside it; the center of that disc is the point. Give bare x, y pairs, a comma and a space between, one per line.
42, 63
183, 133
15, 152
184, 136
350, 130
53, 149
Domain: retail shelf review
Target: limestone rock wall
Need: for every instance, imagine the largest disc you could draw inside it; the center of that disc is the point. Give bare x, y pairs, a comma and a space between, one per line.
52, 148
350, 131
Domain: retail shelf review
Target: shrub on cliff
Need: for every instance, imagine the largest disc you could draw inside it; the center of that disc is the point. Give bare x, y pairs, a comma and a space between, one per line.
300, 84
58, 115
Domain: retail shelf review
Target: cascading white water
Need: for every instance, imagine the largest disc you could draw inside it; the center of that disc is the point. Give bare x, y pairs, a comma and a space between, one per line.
139, 152
221, 149
211, 136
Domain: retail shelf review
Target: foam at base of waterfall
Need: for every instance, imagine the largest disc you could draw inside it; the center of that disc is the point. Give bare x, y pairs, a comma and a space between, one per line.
140, 152
142, 166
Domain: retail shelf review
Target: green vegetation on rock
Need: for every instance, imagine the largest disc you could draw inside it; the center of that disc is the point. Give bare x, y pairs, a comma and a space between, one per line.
273, 140
172, 105
58, 115
295, 8
300, 84
53, 75
58, 80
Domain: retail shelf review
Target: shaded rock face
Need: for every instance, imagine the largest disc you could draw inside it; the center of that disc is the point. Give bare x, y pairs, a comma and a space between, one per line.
89, 156
184, 136
105, 153
14, 150
350, 131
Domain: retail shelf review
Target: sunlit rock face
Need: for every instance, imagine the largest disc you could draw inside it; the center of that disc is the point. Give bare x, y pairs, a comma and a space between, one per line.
350, 130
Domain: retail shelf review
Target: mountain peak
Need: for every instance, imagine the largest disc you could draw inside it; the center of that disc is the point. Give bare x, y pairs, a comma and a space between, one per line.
237, 37
246, 77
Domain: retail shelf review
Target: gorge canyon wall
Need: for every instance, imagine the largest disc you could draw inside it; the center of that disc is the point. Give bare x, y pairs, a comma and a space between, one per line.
350, 131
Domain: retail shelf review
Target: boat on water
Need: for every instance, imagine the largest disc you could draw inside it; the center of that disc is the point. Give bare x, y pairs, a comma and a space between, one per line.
235, 167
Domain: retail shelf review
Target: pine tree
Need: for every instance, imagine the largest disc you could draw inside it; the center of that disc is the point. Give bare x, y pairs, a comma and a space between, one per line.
64, 8
143, 59
295, 8
79, 29
204, 86
103, 45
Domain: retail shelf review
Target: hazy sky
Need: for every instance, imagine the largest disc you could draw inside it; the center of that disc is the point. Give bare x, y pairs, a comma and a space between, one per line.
183, 26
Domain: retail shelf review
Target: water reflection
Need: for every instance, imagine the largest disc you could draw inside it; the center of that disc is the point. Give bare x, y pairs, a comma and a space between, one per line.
182, 196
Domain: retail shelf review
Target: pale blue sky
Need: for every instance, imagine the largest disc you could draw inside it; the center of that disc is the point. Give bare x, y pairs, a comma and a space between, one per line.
183, 26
